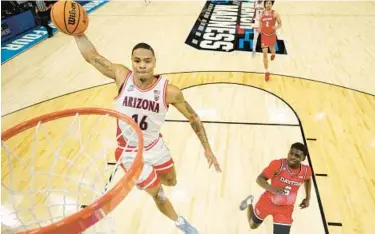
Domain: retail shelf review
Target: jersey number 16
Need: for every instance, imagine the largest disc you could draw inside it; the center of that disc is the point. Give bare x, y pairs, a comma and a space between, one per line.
142, 124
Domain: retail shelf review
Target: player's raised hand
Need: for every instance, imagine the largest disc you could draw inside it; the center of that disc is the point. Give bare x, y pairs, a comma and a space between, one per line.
211, 159
305, 203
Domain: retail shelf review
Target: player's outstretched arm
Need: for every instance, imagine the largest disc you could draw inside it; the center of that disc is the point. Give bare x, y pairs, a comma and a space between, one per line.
176, 98
306, 202
308, 188
117, 72
278, 20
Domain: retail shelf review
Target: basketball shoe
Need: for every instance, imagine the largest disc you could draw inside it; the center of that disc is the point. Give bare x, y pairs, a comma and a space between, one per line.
267, 76
186, 227
245, 203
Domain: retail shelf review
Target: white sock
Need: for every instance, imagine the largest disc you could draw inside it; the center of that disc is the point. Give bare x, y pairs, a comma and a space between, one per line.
267, 71
179, 221
248, 202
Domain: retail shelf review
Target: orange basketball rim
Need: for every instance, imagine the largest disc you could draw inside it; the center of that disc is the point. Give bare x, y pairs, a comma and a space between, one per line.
96, 211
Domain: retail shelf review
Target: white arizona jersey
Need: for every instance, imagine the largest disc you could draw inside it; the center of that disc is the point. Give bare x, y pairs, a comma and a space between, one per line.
147, 107
259, 8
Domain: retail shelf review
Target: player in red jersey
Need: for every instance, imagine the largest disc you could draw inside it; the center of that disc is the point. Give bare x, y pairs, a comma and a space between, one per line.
287, 175
268, 29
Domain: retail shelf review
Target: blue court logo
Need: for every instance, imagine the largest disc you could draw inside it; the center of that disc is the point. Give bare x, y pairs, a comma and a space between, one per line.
227, 26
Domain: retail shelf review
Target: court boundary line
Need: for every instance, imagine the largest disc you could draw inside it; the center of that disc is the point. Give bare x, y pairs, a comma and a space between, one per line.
234, 123
277, 74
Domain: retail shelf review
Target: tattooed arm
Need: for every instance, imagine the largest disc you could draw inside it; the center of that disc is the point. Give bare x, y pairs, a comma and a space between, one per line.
176, 98
117, 72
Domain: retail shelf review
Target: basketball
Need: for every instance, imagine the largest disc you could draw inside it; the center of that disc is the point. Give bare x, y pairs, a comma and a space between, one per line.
69, 17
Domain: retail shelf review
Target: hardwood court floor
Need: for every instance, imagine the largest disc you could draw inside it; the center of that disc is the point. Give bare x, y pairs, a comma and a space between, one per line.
341, 140
327, 41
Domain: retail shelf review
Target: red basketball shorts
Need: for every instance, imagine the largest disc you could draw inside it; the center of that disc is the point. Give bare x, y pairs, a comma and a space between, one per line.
281, 214
268, 41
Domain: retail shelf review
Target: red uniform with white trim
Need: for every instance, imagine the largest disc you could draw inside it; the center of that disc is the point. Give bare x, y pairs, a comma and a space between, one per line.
148, 108
268, 21
281, 206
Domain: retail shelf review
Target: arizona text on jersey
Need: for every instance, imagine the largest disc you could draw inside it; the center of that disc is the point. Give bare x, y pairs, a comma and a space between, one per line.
147, 107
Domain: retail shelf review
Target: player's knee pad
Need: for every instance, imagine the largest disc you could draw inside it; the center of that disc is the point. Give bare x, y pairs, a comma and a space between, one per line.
281, 229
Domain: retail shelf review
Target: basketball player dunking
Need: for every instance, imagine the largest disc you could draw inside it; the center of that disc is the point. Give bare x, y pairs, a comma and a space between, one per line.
259, 8
287, 175
268, 30
146, 98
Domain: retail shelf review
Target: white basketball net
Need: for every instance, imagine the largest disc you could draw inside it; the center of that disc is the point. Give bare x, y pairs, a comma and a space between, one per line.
52, 169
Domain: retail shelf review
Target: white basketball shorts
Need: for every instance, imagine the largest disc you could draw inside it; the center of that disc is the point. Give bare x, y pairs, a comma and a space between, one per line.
157, 161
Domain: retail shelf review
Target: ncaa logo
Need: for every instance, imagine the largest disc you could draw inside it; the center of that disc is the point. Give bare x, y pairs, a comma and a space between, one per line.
156, 95
131, 88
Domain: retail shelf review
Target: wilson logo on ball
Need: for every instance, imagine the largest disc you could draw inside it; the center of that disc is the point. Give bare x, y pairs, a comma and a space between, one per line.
69, 17
72, 14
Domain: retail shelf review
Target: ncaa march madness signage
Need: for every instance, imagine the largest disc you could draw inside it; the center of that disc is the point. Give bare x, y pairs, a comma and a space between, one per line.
227, 26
